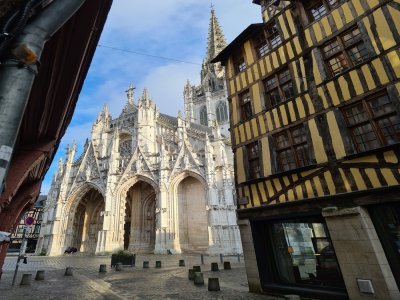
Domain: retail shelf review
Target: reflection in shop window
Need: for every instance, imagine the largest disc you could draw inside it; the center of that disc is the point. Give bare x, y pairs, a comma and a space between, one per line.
303, 254
386, 219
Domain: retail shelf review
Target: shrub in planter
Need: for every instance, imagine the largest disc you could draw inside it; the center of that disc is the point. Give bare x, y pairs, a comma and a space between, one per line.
124, 257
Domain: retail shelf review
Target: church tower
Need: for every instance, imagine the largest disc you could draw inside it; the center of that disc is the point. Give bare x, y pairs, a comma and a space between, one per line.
206, 104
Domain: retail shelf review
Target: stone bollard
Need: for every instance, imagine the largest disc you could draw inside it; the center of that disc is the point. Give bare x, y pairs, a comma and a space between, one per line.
145, 265
181, 262
158, 264
227, 265
118, 267
197, 268
198, 278
68, 271
213, 284
26, 279
191, 274
39, 275
103, 269
292, 297
214, 266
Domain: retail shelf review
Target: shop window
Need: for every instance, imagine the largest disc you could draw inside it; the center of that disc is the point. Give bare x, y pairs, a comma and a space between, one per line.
267, 40
292, 148
386, 219
316, 9
203, 116
253, 160
222, 112
373, 123
300, 253
345, 51
278, 88
245, 105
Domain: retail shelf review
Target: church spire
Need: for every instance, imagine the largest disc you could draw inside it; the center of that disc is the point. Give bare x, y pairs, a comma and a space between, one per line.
216, 40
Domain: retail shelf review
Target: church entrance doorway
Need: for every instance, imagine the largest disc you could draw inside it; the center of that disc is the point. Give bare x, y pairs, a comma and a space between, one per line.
193, 220
87, 222
140, 225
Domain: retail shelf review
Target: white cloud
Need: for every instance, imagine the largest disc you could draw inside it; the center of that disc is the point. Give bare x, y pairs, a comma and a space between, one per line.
76, 133
168, 28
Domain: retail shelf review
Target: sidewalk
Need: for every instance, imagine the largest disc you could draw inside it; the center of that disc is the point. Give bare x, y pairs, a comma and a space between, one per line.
169, 282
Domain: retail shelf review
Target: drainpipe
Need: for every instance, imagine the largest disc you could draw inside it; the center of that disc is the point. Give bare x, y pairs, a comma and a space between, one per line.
17, 75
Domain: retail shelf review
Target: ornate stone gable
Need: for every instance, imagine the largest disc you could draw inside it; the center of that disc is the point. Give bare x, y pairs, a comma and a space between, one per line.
186, 160
88, 169
157, 174
138, 165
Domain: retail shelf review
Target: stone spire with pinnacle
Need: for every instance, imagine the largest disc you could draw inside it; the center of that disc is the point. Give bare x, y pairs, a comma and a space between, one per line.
216, 39
216, 43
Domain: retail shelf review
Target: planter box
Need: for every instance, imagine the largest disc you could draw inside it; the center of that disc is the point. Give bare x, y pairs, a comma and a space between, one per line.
127, 260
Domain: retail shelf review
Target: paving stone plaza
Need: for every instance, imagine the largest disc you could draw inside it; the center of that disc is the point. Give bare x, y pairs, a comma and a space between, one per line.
168, 282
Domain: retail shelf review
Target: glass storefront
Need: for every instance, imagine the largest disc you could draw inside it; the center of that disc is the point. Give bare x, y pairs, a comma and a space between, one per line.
297, 252
386, 219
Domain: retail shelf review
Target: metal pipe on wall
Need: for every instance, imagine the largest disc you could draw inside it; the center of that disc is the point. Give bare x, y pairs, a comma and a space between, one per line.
17, 75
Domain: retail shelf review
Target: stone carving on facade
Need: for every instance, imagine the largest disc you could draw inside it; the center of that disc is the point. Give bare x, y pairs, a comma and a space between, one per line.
159, 178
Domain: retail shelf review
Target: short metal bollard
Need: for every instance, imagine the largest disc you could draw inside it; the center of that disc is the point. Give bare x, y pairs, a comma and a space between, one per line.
214, 266
181, 262
197, 268
158, 264
191, 274
26, 279
68, 271
39, 275
103, 269
238, 257
227, 265
198, 278
145, 265
118, 267
221, 258
213, 284
202, 259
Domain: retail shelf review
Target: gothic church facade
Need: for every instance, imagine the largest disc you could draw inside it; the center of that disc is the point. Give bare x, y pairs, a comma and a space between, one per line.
149, 182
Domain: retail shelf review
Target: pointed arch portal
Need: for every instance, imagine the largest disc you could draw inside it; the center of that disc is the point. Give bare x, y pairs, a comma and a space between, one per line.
140, 218
87, 221
193, 219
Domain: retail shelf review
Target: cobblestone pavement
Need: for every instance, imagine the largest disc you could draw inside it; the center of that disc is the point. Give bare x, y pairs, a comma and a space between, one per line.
169, 282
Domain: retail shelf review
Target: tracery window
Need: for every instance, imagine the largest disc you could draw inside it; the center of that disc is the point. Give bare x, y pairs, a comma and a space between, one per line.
203, 116
222, 112
125, 148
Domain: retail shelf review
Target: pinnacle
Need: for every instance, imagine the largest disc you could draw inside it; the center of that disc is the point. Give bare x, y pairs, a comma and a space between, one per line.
216, 39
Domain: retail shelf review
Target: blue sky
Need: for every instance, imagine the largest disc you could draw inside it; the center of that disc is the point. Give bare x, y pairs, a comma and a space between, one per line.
169, 28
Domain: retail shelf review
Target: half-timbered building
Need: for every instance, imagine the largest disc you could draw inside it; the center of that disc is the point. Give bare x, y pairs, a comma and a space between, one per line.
315, 124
